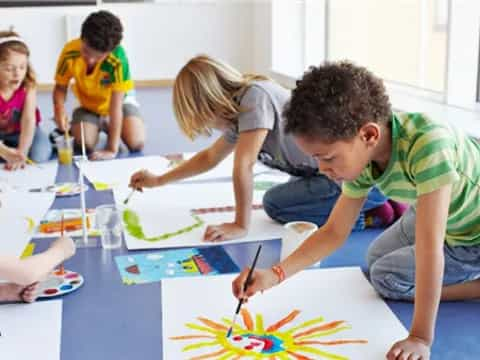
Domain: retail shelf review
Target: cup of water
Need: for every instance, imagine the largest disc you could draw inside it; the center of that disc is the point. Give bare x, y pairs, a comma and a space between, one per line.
294, 234
108, 219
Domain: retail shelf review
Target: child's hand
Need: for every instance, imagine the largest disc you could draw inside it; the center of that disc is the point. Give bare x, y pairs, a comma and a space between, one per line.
65, 245
261, 280
410, 348
103, 155
15, 159
143, 179
226, 231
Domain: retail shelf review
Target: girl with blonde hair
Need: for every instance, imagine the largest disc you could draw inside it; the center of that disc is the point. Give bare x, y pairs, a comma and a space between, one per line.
209, 94
20, 134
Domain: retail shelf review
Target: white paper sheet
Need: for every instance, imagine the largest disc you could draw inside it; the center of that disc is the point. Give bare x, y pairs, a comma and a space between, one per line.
32, 176
222, 171
118, 172
341, 294
167, 209
19, 214
31, 331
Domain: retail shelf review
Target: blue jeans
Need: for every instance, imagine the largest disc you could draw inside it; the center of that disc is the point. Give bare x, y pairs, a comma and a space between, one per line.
311, 199
391, 261
41, 148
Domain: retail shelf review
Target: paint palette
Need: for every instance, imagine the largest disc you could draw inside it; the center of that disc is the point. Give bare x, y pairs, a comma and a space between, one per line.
59, 284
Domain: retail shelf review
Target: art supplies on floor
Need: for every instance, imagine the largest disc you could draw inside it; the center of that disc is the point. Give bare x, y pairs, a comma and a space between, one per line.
60, 282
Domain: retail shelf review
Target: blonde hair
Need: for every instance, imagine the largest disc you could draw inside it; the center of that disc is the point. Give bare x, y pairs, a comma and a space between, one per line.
206, 89
19, 47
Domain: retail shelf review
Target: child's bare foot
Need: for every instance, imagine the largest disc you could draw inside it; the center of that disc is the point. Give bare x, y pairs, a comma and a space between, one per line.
14, 292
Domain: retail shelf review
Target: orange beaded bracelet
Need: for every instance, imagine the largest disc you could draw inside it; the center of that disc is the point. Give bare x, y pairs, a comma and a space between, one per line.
277, 269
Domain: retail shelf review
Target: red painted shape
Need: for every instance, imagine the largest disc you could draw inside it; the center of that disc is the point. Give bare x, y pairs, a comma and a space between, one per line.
50, 291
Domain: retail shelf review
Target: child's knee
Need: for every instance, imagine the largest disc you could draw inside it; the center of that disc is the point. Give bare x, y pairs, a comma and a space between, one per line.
136, 146
269, 202
390, 284
371, 257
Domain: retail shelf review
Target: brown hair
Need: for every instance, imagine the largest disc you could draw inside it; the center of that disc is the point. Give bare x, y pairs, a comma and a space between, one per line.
333, 101
206, 88
19, 47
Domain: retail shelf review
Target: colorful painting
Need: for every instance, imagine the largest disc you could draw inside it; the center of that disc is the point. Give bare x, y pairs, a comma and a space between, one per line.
145, 268
50, 225
255, 340
316, 314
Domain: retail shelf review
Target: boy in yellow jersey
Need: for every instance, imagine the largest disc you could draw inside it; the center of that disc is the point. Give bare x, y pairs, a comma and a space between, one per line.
102, 85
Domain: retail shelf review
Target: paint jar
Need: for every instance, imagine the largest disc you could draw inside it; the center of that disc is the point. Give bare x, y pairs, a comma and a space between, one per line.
294, 234
109, 223
64, 149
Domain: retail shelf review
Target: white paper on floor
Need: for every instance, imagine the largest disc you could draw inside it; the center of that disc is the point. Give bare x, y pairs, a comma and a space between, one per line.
31, 177
316, 314
167, 210
222, 171
20, 213
31, 331
115, 173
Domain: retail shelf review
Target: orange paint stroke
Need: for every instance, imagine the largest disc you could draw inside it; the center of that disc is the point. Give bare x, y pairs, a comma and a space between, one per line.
283, 321
187, 337
331, 342
211, 355
247, 319
328, 326
212, 324
298, 356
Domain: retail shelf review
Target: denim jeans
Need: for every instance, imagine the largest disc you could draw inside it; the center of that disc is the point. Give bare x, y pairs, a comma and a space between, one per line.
311, 199
391, 260
41, 148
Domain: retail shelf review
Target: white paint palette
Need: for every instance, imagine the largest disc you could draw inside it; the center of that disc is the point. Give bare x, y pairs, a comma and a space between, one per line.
60, 283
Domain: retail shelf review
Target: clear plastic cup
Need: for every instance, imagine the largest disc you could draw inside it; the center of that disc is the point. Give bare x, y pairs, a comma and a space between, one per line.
108, 219
64, 149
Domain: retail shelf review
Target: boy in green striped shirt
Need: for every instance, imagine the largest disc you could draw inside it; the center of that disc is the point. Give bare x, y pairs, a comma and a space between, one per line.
340, 114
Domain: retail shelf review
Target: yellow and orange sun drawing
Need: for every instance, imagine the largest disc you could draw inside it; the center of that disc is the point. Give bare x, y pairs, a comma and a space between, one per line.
255, 341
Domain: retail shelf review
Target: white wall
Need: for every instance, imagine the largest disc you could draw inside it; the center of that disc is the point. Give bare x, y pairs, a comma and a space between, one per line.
159, 37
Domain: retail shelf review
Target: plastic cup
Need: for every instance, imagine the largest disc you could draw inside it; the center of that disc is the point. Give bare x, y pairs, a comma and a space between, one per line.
65, 150
295, 233
110, 225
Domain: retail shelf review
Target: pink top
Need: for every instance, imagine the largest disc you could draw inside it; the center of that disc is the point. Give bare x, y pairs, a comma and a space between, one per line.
11, 112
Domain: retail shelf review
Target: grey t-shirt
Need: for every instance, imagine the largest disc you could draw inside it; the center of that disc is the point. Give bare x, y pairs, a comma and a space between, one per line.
264, 102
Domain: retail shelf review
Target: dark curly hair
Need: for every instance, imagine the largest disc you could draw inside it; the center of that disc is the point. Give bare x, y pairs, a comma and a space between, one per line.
102, 31
333, 101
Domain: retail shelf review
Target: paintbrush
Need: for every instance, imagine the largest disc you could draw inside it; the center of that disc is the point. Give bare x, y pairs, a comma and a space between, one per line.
245, 285
65, 126
62, 229
33, 163
125, 202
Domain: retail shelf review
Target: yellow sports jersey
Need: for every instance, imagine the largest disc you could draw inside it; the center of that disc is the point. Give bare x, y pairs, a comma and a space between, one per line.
94, 90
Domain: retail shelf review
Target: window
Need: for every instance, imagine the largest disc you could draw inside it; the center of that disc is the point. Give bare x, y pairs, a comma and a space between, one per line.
422, 48
398, 40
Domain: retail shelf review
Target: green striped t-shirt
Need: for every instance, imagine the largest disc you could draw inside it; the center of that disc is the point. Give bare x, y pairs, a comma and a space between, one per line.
427, 155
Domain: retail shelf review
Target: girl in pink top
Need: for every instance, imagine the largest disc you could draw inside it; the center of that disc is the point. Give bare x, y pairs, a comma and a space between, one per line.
20, 135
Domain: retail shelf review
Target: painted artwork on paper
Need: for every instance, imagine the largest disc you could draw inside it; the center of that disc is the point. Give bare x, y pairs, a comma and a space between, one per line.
311, 339
50, 225
317, 314
146, 268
